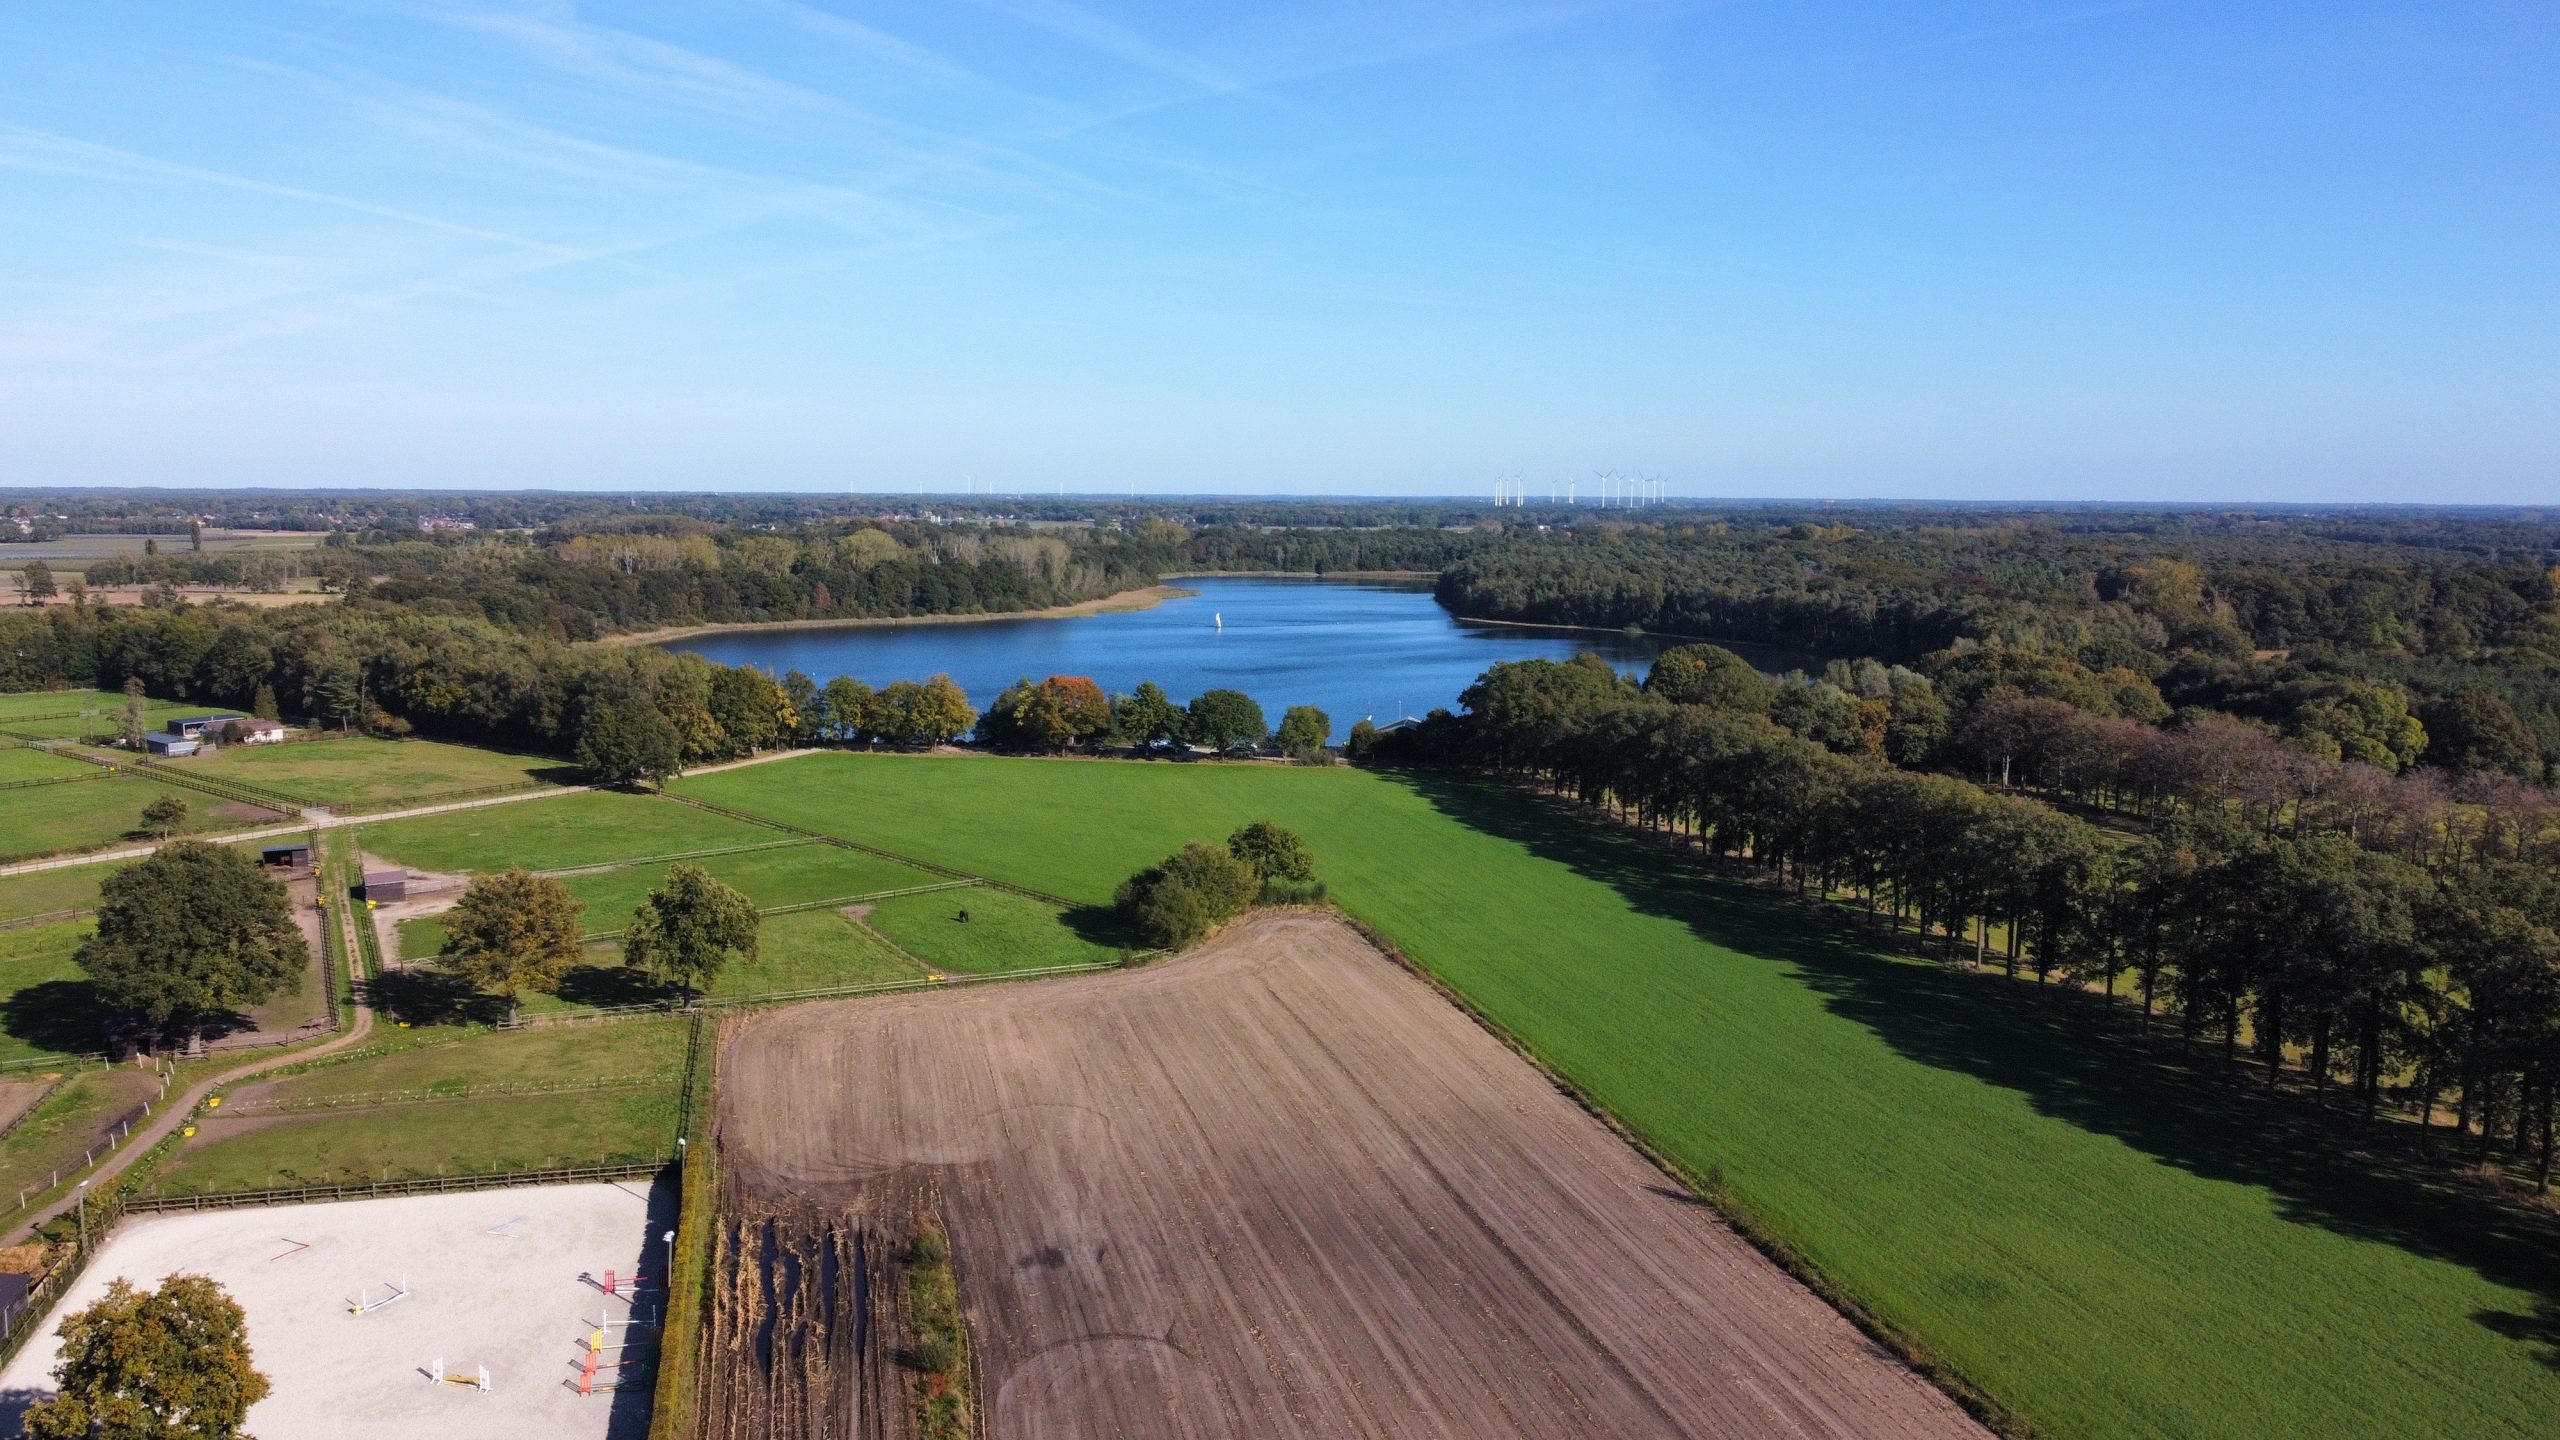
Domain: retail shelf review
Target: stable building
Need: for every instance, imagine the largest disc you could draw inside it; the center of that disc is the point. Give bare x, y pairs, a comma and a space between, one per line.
200, 727
171, 746
385, 885
286, 857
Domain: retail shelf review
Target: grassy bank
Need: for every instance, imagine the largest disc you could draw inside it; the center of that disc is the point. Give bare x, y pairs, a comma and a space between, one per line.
2094, 1241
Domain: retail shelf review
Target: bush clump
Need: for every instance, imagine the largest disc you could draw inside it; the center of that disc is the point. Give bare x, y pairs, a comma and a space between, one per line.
1200, 887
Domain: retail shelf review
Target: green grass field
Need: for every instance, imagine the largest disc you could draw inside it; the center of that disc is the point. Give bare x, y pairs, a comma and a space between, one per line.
107, 721
45, 1004
57, 1134
41, 892
23, 704
1004, 932
58, 819
20, 762
801, 951
359, 771
633, 1051
2100, 1244
794, 875
593, 827
415, 1141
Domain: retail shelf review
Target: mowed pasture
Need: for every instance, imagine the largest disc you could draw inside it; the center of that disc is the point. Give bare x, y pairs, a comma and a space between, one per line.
2079, 1231
360, 771
25, 762
461, 1104
41, 820
591, 827
611, 849
80, 721
1276, 1188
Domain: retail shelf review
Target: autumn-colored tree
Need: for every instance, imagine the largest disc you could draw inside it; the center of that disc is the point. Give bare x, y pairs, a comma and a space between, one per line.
512, 932
169, 1364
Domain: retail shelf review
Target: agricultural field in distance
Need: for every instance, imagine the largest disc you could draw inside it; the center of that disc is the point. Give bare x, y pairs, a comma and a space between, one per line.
2091, 1242
103, 722
360, 771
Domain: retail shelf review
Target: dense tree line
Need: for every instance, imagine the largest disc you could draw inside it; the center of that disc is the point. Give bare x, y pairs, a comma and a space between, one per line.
2357, 640
2390, 938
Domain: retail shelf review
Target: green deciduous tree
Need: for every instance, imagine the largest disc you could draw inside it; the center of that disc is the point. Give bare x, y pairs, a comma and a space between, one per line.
1225, 719
1196, 889
846, 705
165, 814
1272, 852
1362, 740
169, 1364
136, 712
1145, 716
690, 928
512, 932
38, 580
1707, 675
1304, 729
626, 742
192, 933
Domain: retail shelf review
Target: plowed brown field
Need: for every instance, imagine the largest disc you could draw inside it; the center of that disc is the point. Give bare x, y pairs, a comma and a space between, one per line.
1276, 1188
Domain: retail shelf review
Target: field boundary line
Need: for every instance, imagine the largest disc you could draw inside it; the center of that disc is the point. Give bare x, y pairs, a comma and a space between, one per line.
49, 917
384, 1099
1711, 1191
609, 866
375, 1189
41, 780
928, 866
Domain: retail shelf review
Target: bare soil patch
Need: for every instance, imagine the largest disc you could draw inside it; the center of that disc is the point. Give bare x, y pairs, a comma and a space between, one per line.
1276, 1188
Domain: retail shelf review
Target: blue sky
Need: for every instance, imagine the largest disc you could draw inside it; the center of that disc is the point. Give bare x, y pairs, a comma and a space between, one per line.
2288, 251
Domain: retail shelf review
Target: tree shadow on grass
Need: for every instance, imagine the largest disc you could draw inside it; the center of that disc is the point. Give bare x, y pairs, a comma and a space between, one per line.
431, 997
603, 985
2061, 1050
62, 1017
1100, 925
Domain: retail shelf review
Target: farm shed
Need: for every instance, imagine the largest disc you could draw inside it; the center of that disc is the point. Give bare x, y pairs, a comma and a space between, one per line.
386, 884
173, 746
196, 727
287, 857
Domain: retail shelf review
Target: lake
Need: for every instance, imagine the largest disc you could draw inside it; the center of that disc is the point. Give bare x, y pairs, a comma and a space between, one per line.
1352, 649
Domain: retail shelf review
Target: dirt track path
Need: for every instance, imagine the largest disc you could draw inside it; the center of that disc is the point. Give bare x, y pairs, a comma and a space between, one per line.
1280, 1188
174, 1114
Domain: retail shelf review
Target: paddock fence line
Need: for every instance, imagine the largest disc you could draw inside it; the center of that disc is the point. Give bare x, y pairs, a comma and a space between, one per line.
701, 1003
607, 866
797, 907
232, 790
43, 780
496, 1089
433, 798
417, 1185
49, 917
928, 866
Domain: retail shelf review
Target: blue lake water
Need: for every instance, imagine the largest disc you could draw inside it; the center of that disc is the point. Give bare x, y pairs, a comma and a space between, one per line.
1351, 649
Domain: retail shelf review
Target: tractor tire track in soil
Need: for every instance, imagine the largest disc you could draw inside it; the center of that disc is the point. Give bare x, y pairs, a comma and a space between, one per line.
1275, 1188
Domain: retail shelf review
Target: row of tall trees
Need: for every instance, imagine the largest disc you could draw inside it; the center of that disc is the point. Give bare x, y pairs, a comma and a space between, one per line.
2407, 966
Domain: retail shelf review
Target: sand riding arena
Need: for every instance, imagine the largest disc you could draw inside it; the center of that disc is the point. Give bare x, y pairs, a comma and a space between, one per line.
352, 1304
1278, 1187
